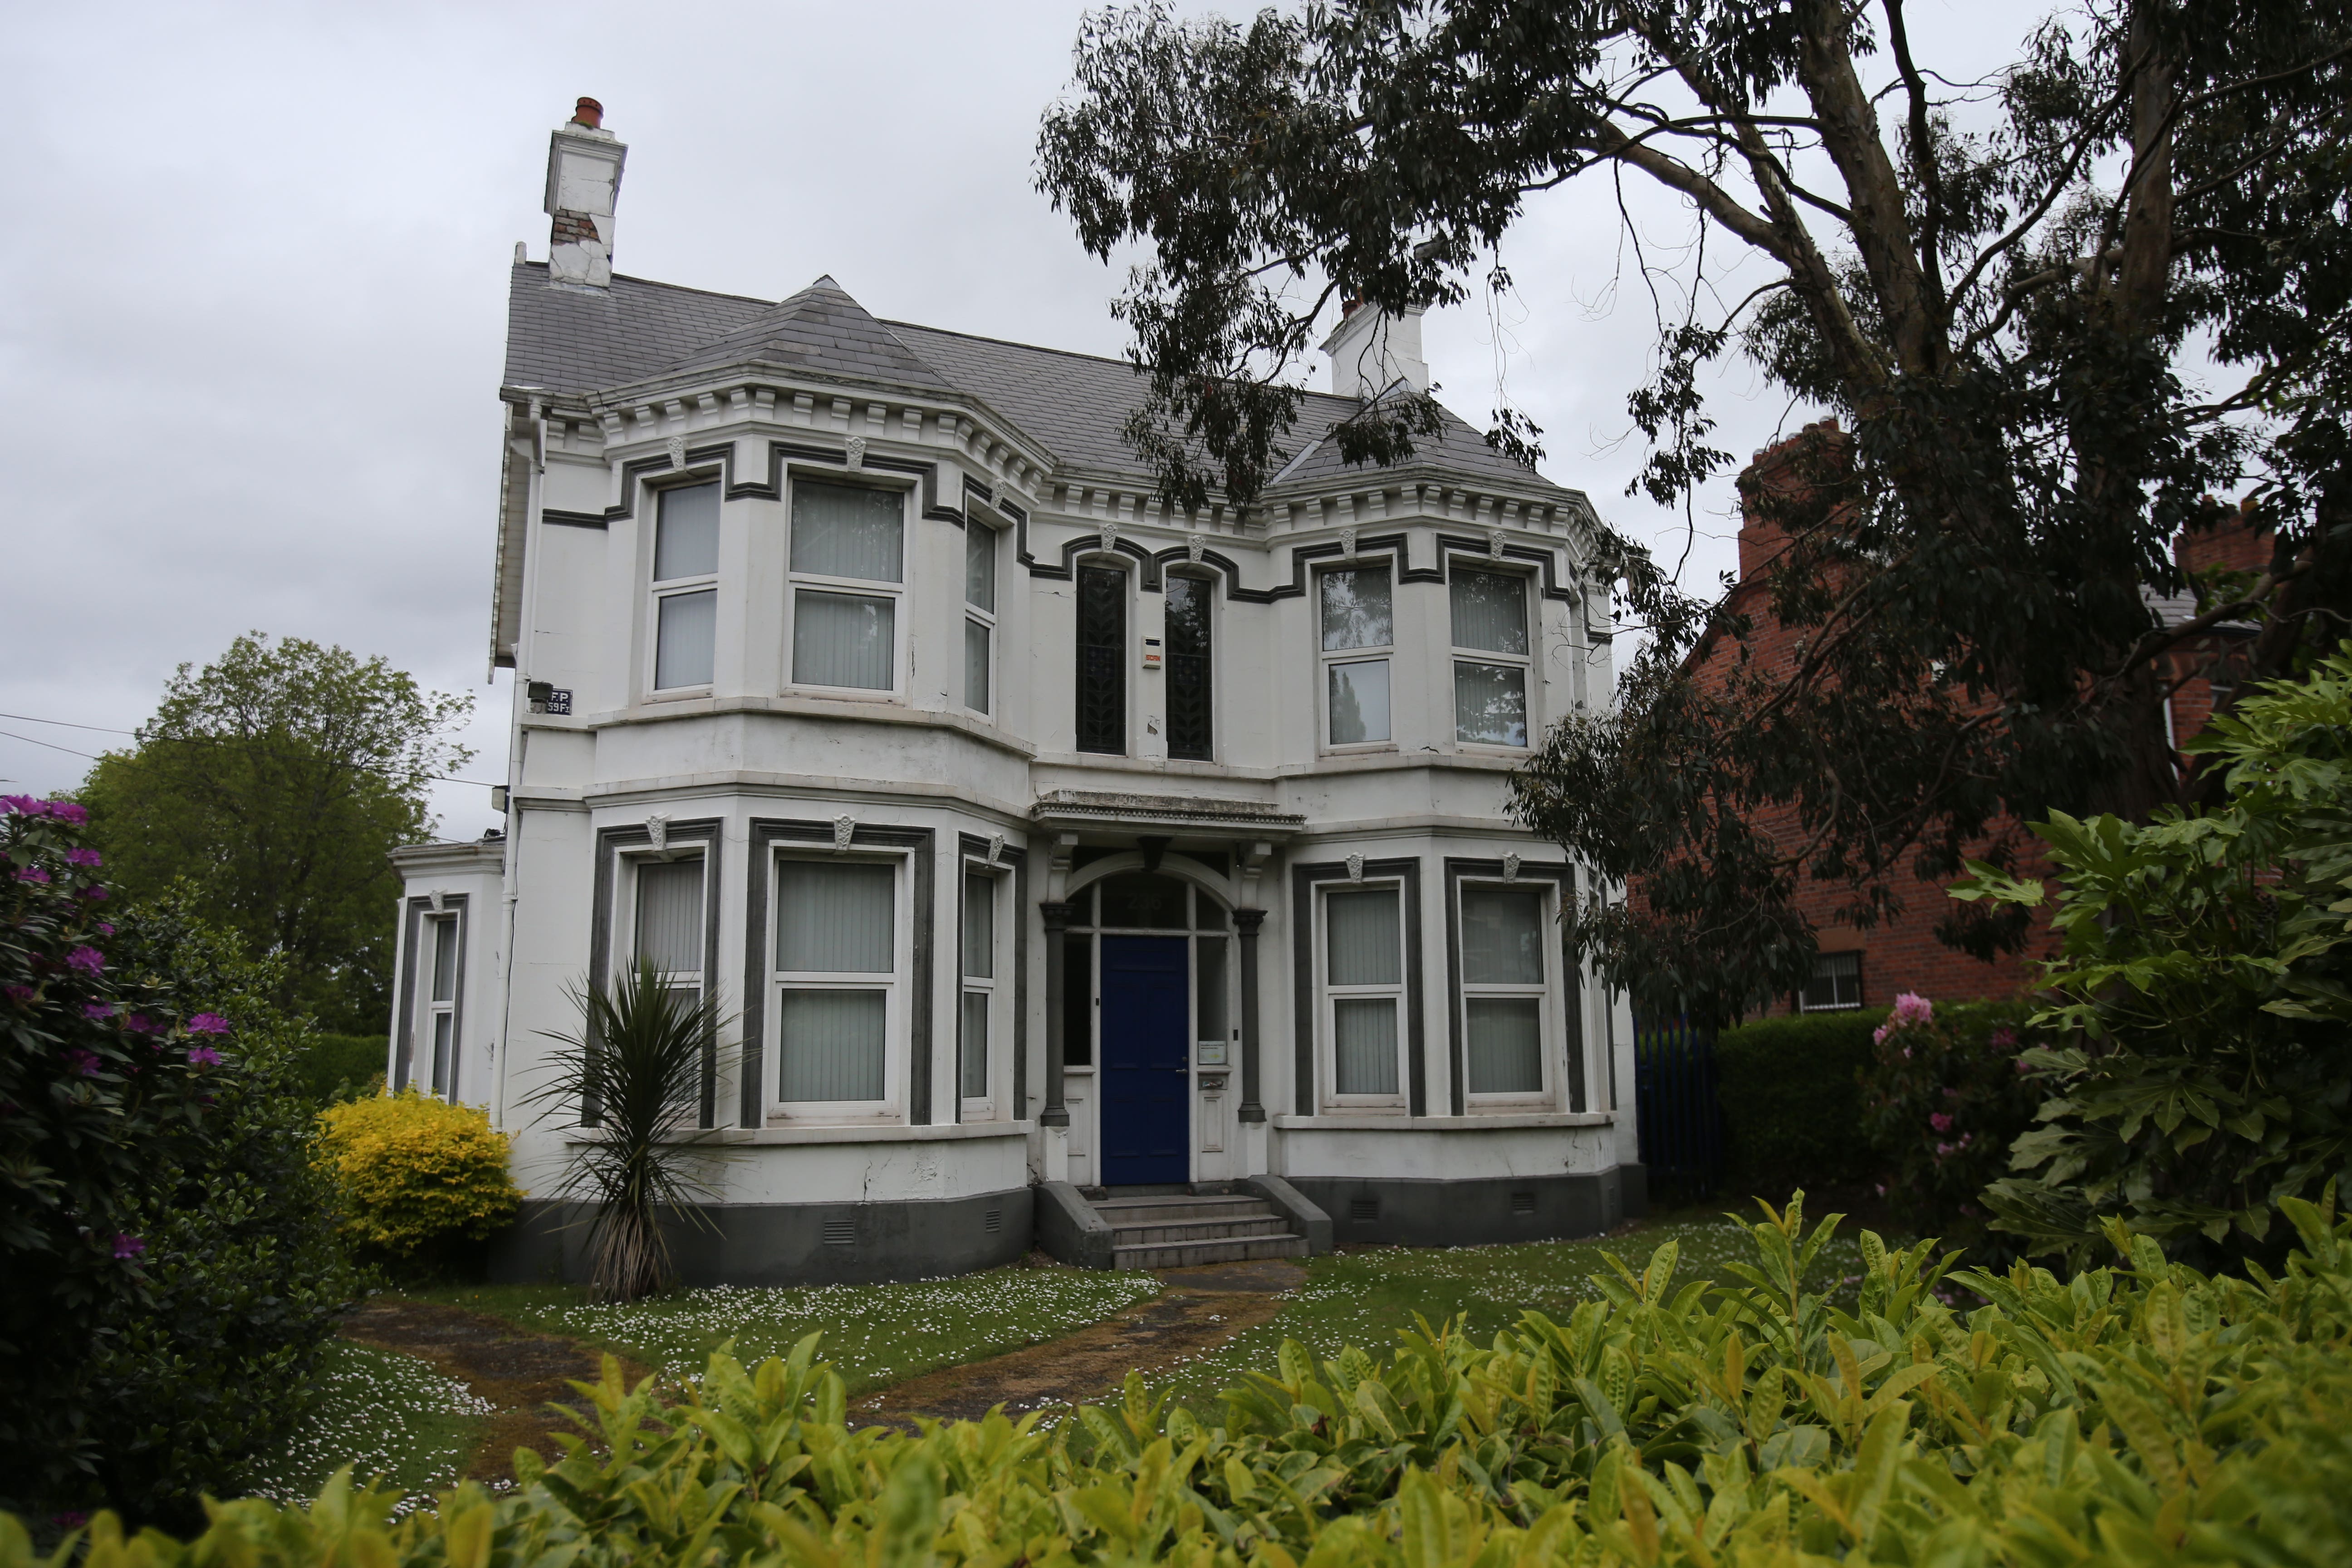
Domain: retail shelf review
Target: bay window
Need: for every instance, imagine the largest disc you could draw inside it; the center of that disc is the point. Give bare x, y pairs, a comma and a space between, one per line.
685, 587
1490, 657
979, 994
669, 926
1358, 627
1505, 993
979, 613
848, 550
440, 944
837, 981
1364, 991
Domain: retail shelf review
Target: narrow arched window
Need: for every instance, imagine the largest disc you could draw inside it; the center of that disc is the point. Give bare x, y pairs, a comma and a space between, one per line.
1102, 659
1189, 689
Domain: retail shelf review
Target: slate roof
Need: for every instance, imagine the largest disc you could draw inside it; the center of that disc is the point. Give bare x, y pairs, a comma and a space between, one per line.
573, 341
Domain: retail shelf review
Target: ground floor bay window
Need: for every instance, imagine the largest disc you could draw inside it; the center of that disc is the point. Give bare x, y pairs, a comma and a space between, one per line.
1505, 999
839, 985
1363, 963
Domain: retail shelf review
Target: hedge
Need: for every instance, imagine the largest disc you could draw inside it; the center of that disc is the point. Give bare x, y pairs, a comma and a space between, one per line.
2140, 1413
338, 1067
1792, 1102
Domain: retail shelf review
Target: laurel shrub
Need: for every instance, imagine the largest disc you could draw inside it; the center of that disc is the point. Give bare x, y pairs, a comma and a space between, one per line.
2137, 1414
414, 1171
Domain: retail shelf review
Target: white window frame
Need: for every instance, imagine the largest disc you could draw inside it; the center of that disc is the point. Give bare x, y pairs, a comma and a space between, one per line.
898, 986
858, 587
982, 1108
1327, 995
431, 1011
625, 958
986, 618
1525, 663
676, 588
1550, 1011
1804, 1006
1328, 659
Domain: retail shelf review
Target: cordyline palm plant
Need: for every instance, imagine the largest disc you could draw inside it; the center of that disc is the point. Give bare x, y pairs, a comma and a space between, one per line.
634, 1072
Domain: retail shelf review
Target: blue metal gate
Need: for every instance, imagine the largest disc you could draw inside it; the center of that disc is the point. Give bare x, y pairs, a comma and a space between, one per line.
1680, 1120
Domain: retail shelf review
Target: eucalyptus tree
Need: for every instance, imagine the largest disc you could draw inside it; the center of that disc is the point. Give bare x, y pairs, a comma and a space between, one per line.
2011, 290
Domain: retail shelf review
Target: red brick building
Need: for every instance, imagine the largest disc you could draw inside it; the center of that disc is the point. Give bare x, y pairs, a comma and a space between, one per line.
1869, 968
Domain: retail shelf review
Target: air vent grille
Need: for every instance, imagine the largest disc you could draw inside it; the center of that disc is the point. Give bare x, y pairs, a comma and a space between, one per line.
840, 1232
992, 1221
1523, 1203
1362, 1210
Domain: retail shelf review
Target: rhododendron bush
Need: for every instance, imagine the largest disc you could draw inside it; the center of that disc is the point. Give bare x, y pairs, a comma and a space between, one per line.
168, 1263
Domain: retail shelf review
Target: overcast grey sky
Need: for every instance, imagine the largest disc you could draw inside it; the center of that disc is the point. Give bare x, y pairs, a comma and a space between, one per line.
253, 267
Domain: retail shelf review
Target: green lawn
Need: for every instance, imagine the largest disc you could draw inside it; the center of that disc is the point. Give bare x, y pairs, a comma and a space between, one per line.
1366, 1297
381, 1412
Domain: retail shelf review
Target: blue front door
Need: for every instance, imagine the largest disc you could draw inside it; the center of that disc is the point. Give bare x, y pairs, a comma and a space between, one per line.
1147, 1016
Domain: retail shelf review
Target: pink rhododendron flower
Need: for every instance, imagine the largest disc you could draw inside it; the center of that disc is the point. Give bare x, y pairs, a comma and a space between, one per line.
97, 1009
1942, 1149
127, 1246
2025, 1065
83, 1062
105, 930
24, 806
32, 874
84, 858
66, 811
208, 1024
18, 993
1912, 1008
1941, 1122
1878, 1035
140, 1024
2005, 1037
88, 960
94, 893
203, 1056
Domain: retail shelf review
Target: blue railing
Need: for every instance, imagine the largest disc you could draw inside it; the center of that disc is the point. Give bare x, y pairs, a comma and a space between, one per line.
1680, 1120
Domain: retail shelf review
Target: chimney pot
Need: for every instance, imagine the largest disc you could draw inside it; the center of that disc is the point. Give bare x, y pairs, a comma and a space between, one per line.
589, 112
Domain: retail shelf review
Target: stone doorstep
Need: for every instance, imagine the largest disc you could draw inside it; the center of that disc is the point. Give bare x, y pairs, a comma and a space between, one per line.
1179, 1210
1201, 1230
1187, 1253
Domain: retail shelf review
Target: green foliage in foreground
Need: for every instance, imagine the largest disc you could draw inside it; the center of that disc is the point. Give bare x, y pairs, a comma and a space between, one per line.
2143, 1413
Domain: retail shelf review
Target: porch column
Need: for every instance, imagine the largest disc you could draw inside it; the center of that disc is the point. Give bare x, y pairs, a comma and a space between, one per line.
1246, 922
1057, 924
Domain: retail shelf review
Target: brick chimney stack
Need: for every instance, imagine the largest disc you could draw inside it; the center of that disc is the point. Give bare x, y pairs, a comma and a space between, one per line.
584, 181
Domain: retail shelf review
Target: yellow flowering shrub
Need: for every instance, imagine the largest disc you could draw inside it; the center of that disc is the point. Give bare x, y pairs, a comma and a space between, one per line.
413, 1169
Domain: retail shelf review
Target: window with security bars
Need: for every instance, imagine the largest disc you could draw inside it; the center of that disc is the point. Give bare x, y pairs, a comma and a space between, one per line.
978, 990
1504, 989
684, 609
1363, 990
848, 563
1836, 983
1188, 699
1490, 657
1358, 630
979, 613
1102, 661
837, 981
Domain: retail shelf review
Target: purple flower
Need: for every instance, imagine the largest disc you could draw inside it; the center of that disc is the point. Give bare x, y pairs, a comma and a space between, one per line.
104, 929
24, 806
140, 1024
1912, 1008
1941, 1122
94, 893
32, 874
2024, 1066
203, 1056
66, 811
18, 993
208, 1024
2005, 1037
97, 1009
84, 858
68, 1520
88, 960
83, 1062
127, 1247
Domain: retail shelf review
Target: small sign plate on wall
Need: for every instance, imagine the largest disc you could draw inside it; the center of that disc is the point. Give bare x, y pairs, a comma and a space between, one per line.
1151, 653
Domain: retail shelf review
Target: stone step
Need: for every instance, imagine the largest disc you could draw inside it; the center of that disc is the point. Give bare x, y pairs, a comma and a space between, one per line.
1179, 1210
1187, 1254
1151, 1234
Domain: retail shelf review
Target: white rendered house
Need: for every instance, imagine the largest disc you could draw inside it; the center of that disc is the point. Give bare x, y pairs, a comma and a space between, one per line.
1035, 837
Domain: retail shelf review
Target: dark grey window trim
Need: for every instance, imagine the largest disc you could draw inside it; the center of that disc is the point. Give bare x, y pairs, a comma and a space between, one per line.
1303, 557
610, 841
1571, 977
974, 848
717, 461
1303, 921
404, 1038
766, 834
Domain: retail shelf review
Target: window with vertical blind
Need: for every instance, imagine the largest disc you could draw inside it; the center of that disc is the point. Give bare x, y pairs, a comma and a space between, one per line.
979, 988
1102, 661
1190, 734
1363, 990
979, 616
684, 609
669, 920
848, 566
1505, 989
1490, 657
837, 978
1357, 622
439, 945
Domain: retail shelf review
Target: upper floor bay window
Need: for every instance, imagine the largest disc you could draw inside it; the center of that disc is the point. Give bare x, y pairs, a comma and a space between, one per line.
839, 983
1188, 687
1506, 989
1364, 991
685, 588
1490, 657
1358, 623
848, 566
979, 614
1102, 661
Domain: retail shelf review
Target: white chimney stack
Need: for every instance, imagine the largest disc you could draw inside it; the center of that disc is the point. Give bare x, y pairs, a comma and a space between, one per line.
583, 180
1372, 351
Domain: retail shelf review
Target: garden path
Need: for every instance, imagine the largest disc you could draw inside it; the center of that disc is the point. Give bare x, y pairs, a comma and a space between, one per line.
1197, 1310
